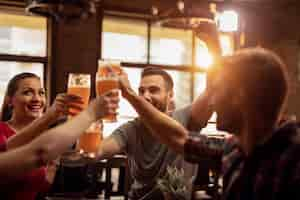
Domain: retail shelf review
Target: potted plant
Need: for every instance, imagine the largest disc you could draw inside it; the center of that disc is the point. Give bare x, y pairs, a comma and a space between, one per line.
172, 184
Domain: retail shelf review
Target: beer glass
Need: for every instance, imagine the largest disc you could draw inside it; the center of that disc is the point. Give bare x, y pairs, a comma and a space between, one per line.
90, 141
79, 84
107, 79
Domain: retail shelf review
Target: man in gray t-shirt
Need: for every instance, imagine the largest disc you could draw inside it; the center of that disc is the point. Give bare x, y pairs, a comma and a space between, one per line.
148, 159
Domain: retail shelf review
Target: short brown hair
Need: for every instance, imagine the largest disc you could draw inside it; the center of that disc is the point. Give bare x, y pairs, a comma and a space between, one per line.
158, 71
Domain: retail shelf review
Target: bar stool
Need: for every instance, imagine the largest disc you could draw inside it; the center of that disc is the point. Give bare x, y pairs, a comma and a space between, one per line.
117, 162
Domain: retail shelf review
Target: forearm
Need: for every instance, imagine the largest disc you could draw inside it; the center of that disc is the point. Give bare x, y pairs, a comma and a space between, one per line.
163, 127
200, 147
33, 130
201, 112
16, 162
56, 140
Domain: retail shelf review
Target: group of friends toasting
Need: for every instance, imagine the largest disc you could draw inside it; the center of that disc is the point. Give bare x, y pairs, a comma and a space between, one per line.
247, 90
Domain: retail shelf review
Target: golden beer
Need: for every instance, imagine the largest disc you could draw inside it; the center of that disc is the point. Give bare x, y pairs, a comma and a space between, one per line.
79, 84
84, 93
89, 142
105, 85
106, 80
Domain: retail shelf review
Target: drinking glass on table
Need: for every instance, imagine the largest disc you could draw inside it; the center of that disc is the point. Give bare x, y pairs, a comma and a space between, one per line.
106, 80
79, 84
90, 140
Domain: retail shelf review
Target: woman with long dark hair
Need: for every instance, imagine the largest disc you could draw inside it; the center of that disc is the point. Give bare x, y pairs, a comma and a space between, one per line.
50, 143
25, 102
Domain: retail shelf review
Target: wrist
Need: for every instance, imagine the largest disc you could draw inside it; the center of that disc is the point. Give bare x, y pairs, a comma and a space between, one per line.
129, 93
89, 115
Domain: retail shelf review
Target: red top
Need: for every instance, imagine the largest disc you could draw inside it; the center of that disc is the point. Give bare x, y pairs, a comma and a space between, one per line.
24, 187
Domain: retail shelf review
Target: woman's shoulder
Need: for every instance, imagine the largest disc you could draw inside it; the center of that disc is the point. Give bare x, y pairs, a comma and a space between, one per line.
6, 130
3, 136
3, 124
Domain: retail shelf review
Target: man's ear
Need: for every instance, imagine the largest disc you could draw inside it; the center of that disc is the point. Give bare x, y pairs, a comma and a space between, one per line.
171, 94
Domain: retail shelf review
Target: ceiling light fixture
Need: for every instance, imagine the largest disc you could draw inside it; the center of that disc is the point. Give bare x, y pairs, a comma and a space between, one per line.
62, 9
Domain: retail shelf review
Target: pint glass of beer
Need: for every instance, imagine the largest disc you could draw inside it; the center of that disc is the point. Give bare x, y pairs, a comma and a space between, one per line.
80, 84
90, 141
107, 79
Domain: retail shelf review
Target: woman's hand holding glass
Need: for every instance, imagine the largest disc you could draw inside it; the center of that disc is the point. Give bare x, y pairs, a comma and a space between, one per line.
64, 105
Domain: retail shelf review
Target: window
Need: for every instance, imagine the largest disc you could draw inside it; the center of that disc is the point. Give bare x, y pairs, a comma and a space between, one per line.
182, 87
21, 37
200, 84
170, 46
10, 69
203, 57
126, 111
124, 39
227, 44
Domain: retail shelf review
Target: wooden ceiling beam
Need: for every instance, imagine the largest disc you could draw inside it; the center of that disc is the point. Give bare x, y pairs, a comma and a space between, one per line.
12, 3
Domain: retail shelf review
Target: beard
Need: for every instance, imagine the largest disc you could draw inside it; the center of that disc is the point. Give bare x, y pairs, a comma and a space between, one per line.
161, 106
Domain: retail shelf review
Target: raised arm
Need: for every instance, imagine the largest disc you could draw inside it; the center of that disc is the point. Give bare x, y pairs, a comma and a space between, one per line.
201, 112
44, 148
54, 141
59, 108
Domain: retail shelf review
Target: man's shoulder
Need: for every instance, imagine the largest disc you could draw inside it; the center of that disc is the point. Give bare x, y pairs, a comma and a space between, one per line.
130, 129
131, 124
182, 112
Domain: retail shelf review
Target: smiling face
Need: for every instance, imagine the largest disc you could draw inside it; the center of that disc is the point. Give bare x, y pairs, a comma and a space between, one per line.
153, 89
29, 100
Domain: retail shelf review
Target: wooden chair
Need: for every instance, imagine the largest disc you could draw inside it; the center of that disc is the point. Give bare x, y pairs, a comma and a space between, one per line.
120, 162
207, 179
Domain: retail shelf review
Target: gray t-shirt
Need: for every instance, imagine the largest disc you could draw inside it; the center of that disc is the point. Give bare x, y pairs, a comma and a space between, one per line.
148, 159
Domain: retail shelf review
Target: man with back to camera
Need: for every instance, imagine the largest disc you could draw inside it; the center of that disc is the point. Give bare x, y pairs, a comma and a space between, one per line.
248, 93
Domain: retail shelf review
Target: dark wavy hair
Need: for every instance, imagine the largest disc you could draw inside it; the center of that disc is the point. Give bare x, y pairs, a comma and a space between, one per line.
12, 87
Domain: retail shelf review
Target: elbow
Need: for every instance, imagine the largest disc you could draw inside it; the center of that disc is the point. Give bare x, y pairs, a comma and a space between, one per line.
42, 155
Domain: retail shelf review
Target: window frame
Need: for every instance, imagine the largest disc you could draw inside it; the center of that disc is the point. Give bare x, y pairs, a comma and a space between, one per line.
18, 9
192, 69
